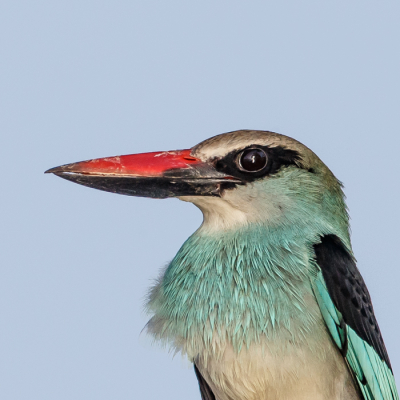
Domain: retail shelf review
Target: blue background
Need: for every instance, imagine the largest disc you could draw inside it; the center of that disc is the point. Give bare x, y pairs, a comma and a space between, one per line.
85, 79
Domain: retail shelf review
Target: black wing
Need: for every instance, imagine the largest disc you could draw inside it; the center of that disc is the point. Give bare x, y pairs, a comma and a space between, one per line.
349, 293
205, 390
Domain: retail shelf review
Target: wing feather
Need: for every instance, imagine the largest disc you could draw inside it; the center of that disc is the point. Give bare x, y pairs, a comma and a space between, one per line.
205, 390
347, 310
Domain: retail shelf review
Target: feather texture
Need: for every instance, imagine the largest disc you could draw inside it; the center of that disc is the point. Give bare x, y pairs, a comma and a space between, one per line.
367, 359
205, 390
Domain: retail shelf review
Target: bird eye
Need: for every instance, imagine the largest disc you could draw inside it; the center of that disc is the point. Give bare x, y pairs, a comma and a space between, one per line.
253, 160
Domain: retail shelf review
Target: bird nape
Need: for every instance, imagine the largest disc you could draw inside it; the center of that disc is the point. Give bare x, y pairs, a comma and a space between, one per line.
265, 298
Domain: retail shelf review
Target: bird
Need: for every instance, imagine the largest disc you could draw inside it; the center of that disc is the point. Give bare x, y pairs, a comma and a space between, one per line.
265, 298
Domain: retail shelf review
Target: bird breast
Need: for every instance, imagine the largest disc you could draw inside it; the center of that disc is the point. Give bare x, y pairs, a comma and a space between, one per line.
281, 369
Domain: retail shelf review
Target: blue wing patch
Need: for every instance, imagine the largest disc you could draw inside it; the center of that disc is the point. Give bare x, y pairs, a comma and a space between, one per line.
374, 377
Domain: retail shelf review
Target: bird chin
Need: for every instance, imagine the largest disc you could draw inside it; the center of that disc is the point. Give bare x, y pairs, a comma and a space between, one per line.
218, 214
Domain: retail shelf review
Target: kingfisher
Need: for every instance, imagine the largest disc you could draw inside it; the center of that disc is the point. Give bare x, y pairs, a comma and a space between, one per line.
265, 298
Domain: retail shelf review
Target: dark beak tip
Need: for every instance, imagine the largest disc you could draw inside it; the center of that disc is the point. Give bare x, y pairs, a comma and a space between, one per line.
54, 170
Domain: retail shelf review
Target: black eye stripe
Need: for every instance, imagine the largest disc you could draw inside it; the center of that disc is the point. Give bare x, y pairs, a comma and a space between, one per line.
276, 158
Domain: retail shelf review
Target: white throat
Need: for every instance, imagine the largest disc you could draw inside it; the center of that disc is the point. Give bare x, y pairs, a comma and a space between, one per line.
218, 214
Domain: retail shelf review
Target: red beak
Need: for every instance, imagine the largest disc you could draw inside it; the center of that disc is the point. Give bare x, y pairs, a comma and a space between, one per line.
157, 175
144, 164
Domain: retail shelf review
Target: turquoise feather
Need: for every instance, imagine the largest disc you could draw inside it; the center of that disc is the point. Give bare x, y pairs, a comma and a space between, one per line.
374, 377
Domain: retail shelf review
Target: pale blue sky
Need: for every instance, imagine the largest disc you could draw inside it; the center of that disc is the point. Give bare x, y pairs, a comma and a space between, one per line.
82, 79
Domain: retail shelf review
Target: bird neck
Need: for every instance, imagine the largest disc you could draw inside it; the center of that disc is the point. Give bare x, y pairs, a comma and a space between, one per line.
234, 288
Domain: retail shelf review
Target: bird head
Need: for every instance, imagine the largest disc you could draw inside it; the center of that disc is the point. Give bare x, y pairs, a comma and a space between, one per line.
237, 179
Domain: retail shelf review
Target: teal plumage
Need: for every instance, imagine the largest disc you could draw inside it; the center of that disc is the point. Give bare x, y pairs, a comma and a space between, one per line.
217, 283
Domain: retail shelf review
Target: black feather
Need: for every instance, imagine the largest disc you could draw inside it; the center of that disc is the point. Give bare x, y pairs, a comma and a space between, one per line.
205, 390
349, 292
